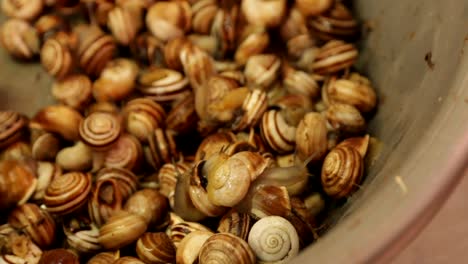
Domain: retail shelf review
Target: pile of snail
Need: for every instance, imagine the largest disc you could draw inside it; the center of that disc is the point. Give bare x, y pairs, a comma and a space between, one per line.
186, 131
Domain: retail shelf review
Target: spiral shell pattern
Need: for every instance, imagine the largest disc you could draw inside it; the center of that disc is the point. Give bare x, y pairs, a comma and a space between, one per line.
127, 153
163, 85
162, 147
100, 130
56, 58
226, 248
85, 241
155, 248
95, 49
142, 116
336, 23
279, 135
179, 231
11, 127
235, 223
67, 193
274, 239
121, 229
342, 171
35, 222
126, 180
104, 258
253, 108
334, 56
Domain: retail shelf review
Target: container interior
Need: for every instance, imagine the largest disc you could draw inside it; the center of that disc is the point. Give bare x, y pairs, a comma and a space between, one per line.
413, 52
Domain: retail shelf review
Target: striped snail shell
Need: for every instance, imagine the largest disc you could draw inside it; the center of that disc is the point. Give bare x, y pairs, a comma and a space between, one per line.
105, 200
342, 171
183, 118
162, 147
104, 258
142, 116
17, 183
189, 248
178, 231
82, 235
155, 248
277, 133
163, 85
126, 153
203, 14
253, 108
167, 177
35, 222
67, 193
337, 23
128, 260
124, 23
59, 119
236, 223
226, 248
46, 173
121, 229
12, 126
126, 180
334, 56
100, 130
19, 39
56, 58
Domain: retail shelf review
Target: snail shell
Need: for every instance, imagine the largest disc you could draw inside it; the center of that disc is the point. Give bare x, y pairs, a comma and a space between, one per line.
225, 29
19, 39
274, 240
59, 119
78, 157
67, 193
254, 43
148, 203
49, 25
73, 90
58, 256
82, 235
95, 49
46, 173
253, 108
356, 92
226, 248
172, 50
100, 130
276, 132
162, 147
45, 146
36, 223
264, 13
121, 229
345, 118
235, 223
229, 179
337, 23
12, 126
183, 118
299, 82
17, 183
167, 177
124, 23
126, 180
313, 7
104, 258
126, 153
189, 248
128, 260
178, 231
203, 14
116, 81
334, 56
23, 9
361, 144
342, 171
163, 85
168, 20
261, 70
198, 65
56, 58
183, 205
155, 248
106, 199
311, 137
142, 116
268, 200
213, 144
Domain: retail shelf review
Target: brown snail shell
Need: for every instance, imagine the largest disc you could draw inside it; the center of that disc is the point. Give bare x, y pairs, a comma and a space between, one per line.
142, 116
17, 183
124, 23
163, 85
23, 9
293, 107
116, 81
171, 52
67, 193
274, 239
299, 82
313, 7
189, 248
235, 223
268, 200
162, 148
49, 25
226, 248
100, 130
229, 178
342, 171
311, 137
82, 235
73, 90
46, 173
254, 43
12, 127
56, 58
95, 49
337, 23
126, 180
264, 13
121, 229
128, 260
78, 157
148, 203
261, 70
213, 144
356, 91
203, 14
19, 39
59, 119
361, 144
224, 29
168, 20
155, 248
279, 135
334, 56
178, 231
345, 118
35, 222
198, 65
126, 153
183, 118
58, 256
253, 108
104, 258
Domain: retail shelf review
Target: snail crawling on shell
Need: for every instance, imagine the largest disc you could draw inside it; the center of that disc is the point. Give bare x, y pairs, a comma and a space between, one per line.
184, 131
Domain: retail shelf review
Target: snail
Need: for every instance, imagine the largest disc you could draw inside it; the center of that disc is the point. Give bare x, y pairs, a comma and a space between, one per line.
155, 248
226, 248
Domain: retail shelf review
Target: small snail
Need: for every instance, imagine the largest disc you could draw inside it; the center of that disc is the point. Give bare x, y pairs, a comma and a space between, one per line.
155, 248
226, 248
